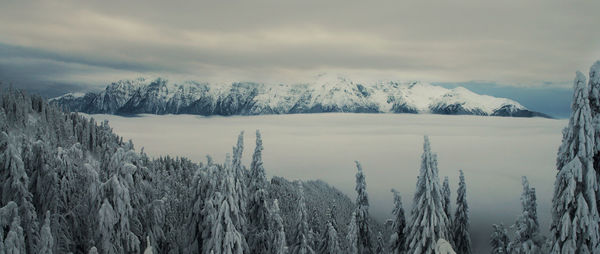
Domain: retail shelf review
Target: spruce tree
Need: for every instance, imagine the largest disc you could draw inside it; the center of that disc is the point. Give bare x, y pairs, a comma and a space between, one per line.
13, 241
14, 187
330, 243
258, 177
529, 203
198, 226
499, 240
447, 204
117, 209
260, 235
575, 219
240, 183
461, 237
107, 219
301, 242
364, 244
398, 225
279, 245
429, 222
446, 193
333, 214
352, 236
594, 97
224, 218
527, 239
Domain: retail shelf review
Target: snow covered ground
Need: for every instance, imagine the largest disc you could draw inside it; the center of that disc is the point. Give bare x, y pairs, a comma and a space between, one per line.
494, 153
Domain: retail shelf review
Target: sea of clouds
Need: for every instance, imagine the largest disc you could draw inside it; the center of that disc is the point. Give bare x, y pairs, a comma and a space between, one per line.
493, 152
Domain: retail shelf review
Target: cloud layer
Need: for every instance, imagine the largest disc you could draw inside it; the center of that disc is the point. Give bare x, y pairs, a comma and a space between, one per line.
511, 42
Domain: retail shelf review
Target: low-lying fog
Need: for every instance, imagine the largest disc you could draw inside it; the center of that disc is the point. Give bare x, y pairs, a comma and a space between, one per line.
494, 153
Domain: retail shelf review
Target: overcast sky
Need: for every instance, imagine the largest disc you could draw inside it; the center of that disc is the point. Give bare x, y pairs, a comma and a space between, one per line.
516, 43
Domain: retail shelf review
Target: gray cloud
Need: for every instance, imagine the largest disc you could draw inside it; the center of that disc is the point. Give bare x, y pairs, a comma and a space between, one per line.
511, 42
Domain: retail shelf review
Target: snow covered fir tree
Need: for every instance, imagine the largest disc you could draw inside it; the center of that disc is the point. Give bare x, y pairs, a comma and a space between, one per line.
396, 244
575, 217
527, 237
429, 222
69, 184
460, 226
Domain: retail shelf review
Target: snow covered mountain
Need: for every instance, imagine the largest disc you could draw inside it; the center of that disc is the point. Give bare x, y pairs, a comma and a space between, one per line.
327, 93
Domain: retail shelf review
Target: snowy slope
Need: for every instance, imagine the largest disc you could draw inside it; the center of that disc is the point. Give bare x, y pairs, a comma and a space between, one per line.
326, 93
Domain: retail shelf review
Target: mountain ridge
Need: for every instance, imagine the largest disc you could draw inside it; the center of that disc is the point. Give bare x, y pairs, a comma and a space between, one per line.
326, 93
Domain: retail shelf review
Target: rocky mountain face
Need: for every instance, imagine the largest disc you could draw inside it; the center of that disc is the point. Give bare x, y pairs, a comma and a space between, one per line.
326, 93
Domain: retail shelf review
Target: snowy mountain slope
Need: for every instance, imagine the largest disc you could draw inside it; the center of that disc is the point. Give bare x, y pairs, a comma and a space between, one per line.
326, 93
461, 100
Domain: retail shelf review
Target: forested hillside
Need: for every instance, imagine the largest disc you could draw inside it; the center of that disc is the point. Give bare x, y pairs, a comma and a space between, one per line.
70, 184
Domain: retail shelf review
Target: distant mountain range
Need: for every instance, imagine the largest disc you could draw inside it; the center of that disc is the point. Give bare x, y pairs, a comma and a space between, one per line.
327, 93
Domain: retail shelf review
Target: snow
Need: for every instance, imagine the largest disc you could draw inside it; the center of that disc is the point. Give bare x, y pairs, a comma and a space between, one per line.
326, 92
443, 247
148, 249
473, 101
493, 152
422, 95
69, 96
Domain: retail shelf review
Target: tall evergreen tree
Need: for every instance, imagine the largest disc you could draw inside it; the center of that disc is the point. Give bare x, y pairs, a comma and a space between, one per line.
364, 244
225, 234
107, 219
330, 243
529, 203
240, 183
594, 97
352, 236
446, 193
447, 204
461, 237
258, 176
527, 239
499, 239
117, 210
429, 222
333, 214
14, 185
13, 241
575, 219
260, 236
279, 245
398, 226
198, 226
301, 242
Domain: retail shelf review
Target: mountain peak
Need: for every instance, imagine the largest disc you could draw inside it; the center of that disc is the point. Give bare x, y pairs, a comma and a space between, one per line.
327, 93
